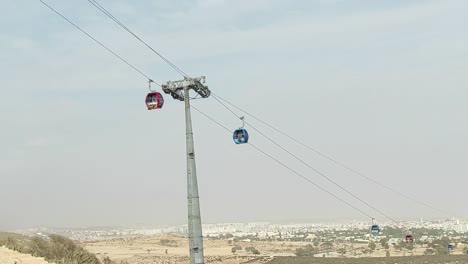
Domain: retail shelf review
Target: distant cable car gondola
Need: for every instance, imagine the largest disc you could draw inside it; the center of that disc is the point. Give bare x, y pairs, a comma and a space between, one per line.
409, 238
240, 136
451, 246
375, 229
154, 100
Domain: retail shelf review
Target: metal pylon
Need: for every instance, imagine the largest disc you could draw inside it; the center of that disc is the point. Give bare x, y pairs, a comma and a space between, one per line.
180, 90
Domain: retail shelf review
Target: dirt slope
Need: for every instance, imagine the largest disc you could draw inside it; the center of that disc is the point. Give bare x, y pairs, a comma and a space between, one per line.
8, 256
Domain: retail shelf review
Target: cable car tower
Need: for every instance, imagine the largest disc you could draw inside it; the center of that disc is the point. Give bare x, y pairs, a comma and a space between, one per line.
180, 90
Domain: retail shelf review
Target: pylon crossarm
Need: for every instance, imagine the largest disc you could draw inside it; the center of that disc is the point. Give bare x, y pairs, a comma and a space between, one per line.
176, 88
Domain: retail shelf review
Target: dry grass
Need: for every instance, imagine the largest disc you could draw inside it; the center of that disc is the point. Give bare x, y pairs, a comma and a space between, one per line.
55, 248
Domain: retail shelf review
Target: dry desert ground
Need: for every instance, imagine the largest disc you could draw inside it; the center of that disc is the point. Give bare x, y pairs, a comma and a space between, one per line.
173, 249
8, 256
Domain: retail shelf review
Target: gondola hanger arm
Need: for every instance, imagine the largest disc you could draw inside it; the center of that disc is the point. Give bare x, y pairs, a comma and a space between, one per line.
149, 85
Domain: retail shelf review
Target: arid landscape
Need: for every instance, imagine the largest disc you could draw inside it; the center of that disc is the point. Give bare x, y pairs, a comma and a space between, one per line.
173, 249
216, 131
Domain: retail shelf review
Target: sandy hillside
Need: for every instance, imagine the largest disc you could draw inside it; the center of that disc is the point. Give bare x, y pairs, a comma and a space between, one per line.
8, 256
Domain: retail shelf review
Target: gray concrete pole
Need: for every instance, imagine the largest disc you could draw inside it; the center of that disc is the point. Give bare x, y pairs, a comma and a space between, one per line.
194, 218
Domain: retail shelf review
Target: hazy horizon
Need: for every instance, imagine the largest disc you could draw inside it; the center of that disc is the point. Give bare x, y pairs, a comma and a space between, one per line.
275, 222
379, 86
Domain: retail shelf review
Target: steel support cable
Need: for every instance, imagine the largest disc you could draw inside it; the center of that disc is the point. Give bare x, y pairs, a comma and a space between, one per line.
323, 175
118, 22
105, 47
288, 167
106, 12
333, 160
98, 42
310, 167
181, 72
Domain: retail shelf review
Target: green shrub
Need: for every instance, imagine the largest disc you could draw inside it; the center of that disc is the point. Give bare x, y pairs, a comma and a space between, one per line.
308, 250
60, 250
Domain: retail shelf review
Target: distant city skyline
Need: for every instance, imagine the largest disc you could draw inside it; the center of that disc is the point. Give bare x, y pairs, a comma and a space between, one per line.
240, 229
273, 223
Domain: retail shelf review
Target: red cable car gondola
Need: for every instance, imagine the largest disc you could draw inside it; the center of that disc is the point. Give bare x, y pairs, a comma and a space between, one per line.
154, 100
409, 238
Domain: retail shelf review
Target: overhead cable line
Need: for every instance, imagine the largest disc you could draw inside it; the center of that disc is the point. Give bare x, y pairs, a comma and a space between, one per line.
289, 168
118, 22
333, 160
309, 166
98, 42
260, 150
107, 13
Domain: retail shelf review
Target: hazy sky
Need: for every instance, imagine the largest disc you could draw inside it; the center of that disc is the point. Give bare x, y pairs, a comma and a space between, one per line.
378, 85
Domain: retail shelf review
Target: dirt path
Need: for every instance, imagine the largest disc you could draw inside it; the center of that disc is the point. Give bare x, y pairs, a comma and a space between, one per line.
8, 256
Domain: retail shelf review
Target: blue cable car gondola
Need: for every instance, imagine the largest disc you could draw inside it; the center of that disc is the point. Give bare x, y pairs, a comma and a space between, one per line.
375, 230
451, 246
240, 136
